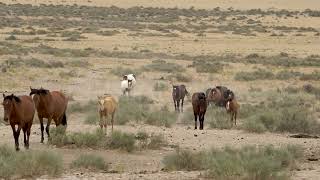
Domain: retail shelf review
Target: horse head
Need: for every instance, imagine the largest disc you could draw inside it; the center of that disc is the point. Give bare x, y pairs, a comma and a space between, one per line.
8, 105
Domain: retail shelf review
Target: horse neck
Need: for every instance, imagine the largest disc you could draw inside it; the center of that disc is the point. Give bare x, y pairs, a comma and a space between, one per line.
14, 112
46, 101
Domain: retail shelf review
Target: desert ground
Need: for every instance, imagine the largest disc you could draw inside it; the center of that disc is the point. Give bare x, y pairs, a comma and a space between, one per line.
83, 47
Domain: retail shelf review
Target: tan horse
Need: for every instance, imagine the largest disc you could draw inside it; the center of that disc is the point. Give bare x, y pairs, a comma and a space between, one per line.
19, 111
107, 106
50, 105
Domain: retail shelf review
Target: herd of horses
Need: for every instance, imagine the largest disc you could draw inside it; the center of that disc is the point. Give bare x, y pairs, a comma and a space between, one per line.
220, 96
20, 110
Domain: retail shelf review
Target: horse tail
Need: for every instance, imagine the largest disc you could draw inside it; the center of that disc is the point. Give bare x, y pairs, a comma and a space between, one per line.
64, 119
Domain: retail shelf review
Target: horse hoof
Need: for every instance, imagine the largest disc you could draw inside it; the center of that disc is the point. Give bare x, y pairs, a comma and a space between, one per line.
17, 149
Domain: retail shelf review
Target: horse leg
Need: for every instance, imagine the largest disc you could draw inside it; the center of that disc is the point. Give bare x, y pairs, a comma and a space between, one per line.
201, 119
16, 136
28, 134
42, 129
235, 118
25, 136
182, 101
195, 120
112, 118
48, 126
101, 120
175, 104
178, 105
105, 123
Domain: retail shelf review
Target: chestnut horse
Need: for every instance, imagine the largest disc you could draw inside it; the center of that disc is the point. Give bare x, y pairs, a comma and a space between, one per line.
19, 111
232, 106
199, 105
50, 105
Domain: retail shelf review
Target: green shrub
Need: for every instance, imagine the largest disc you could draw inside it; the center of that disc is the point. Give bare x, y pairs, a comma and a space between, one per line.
246, 163
58, 136
121, 71
255, 75
285, 75
124, 141
90, 106
11, 38
92, 118
163, 66
29, 163
89, 161
156, 141
163, 117
280, 114
218, 118
314, 76
87, 139
160, 86
180, 77
203, 66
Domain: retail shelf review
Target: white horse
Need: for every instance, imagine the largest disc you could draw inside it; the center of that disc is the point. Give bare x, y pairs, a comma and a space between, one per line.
128, 83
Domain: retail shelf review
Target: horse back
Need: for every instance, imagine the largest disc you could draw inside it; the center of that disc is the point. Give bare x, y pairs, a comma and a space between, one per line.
110, 104
59, 100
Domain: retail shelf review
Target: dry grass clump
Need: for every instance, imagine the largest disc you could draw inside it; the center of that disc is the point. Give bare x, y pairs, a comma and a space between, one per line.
248, 162
89, 161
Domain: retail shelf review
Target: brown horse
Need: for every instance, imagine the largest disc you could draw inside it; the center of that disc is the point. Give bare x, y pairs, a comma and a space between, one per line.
178, 93
217, 95
232, 106
19, 111
107, 106
50, 105
199, 105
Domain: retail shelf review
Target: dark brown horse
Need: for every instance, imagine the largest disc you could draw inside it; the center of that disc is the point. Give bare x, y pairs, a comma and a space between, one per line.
217, 95
178, 93
199, 105
50, 105
19, 111
232, 106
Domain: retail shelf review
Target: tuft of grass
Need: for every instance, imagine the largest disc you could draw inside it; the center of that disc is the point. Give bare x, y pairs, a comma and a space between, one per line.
58, 136
90, 106
163, 117
89, 161
260, 74
218, 118
120, 71
163, 66
11, 38
248, 162
157, 141
180, 77
314, 76
160, 86
124, 141
92, 118
203, 66
29, 163
87, 139
286, 113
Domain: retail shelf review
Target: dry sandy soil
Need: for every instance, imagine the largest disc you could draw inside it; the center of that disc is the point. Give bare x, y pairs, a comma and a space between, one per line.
96, 80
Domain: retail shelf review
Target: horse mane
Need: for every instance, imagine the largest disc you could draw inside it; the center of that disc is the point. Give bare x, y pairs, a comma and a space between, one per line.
12, 97
39, 91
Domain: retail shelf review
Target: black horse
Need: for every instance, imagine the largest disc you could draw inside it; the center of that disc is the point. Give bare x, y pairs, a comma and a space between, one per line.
178, 93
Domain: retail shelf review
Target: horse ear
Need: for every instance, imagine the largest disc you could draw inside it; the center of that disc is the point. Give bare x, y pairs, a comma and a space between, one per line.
3, 95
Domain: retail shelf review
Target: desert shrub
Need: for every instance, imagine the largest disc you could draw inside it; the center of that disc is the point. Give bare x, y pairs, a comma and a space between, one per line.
11, 38
314, 76
156, 141
68, 74
218, 118
92, 118
163, 66
163, 117
33, 62
255, 75
90, 106
58, 136
282, 114
87, 139
248, 162
121, 71
29, 163
108, 33
285, 75
181, 77
133, 109
124, 141
89, 161
78, 63
160, 86
142, 138
203, 66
